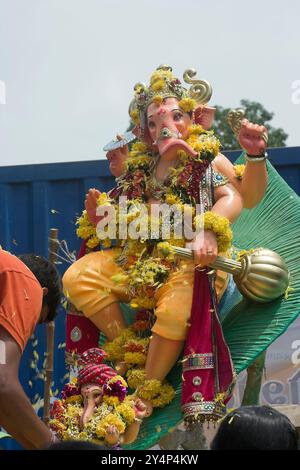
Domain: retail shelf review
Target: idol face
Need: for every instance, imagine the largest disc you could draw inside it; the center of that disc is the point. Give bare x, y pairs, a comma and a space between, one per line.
92, 397
168, 127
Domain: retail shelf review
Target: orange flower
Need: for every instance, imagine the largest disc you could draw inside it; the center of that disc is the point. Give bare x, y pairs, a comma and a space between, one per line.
134, 346
140, 325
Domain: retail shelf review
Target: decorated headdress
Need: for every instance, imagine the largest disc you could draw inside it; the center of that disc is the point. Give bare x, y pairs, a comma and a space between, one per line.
163, 84
93, 371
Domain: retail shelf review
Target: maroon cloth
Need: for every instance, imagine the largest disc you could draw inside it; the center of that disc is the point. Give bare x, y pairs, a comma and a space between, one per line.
82, 250
205, 337
81, 333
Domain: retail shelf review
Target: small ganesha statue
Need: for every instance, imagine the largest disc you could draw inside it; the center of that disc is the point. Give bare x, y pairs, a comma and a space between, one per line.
95, 405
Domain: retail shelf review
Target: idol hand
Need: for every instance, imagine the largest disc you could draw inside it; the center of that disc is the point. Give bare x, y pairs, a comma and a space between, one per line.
252, 138
90, 204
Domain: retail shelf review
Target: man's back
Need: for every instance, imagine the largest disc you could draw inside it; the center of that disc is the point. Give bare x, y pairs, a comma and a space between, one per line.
20, 298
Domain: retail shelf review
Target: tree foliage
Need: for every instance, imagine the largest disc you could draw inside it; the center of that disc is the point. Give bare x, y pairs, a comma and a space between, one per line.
256, 113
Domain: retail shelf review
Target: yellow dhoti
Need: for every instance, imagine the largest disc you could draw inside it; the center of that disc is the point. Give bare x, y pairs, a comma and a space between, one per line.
88, 285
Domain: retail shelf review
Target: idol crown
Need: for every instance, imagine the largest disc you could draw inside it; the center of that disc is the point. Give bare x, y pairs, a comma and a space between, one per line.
163, 85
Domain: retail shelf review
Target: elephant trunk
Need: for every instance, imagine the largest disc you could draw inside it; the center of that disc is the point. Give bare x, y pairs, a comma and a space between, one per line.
88, 411
169, 144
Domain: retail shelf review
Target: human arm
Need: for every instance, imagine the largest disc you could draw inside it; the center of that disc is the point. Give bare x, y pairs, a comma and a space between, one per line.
17, 415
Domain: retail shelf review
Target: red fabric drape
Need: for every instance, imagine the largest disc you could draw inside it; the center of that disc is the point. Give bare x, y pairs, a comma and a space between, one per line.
207, 353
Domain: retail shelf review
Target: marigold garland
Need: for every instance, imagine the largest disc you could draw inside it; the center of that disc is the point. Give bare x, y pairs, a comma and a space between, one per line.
239, 171
158, 99
135, 377
111, 401
187, 104
220, 226
115, 349
110, 420
135, 116
135, 358
159, 394
126, 411
128, 348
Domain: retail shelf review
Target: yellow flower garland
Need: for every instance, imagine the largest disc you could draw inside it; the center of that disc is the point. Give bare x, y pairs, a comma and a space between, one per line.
158, 393
135, 117
115, 349
239, 171
220, 226
187, 104
135, 377
110, 401
110, 420
126, 411
135, 358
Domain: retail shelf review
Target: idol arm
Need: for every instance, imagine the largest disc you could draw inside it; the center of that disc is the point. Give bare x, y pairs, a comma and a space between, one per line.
229, 202
254, 183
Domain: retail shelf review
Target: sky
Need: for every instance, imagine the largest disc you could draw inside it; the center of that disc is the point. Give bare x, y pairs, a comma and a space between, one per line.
68, 67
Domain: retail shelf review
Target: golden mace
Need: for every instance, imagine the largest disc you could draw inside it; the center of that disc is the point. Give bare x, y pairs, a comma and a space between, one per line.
261, 275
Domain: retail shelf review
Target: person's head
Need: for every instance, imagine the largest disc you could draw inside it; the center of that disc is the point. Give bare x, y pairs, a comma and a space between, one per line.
255, 428
76, 445
48, 277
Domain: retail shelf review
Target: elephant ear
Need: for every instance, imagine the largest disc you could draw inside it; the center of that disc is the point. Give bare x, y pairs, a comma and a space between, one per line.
204, 115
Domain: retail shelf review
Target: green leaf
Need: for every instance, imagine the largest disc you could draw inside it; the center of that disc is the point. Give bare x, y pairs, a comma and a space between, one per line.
3, 435
275, 223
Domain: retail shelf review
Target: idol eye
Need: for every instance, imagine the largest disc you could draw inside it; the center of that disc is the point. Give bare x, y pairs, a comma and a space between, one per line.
151, 124
177, 116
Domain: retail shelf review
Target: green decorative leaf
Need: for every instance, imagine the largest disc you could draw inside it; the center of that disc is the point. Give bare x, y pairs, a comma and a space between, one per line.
275, 223
3, 435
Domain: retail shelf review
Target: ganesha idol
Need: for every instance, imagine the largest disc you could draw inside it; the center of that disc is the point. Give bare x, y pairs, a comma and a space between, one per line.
95, 406
176, 160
